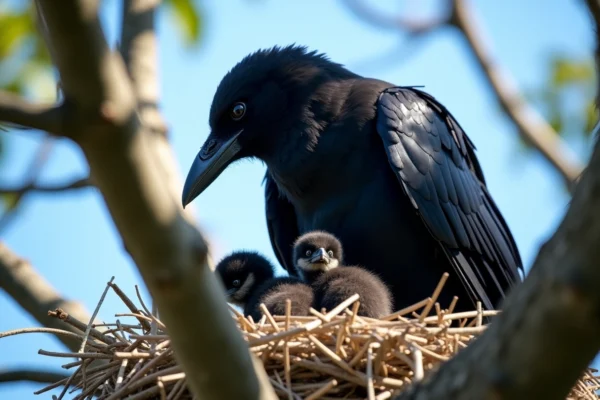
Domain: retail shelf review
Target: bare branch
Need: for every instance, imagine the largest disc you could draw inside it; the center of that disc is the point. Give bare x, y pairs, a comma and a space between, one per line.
31, 176
381, 20
170, 253
139, 48
79, 183
31, 375
530, 125
16, 110
31, 291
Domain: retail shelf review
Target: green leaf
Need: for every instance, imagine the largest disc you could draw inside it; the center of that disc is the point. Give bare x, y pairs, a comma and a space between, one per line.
556, 122
11, 201
590, 117
567, 72
14, 30
188, 19
14, 86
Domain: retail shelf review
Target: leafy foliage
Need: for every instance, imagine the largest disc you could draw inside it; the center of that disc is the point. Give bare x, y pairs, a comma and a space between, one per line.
25, 64
188, 19
24, 59
566, 99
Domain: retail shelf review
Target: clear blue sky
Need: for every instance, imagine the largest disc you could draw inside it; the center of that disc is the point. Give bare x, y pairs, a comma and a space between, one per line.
73, 243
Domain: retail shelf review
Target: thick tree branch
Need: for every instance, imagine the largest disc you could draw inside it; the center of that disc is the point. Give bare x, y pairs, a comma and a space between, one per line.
16, 110
31, 375
530, 125
170, 253
35, 295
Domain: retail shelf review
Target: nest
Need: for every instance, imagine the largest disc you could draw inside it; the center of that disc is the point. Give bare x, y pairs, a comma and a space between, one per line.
328, 355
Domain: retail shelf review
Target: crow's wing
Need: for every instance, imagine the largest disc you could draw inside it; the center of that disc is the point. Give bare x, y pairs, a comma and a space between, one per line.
435, 163
281, 223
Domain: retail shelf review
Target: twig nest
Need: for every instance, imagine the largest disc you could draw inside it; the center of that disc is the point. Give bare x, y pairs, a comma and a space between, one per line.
330, 355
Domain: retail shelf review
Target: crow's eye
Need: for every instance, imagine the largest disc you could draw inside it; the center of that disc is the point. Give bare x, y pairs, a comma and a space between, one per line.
236, 283
238, 111
330, 253
308, 253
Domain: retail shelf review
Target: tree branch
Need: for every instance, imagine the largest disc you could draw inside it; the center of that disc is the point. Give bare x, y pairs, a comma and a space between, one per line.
530, 125
20, 280
30, 178
139, 48
381, 20
170, 253
31, 375
16, 110
79, 183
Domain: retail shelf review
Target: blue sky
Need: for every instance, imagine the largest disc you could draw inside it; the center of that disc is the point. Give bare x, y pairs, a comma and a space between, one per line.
73, 243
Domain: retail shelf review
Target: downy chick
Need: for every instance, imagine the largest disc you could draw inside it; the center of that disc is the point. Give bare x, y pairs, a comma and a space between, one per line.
318, 256
249, 280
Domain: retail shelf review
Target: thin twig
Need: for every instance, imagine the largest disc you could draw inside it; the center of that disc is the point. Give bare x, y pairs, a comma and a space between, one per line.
89, 326
79, 183
16, 110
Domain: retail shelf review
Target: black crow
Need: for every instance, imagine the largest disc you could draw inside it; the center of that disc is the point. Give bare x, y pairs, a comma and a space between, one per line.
386, 169
318, 257
249, 280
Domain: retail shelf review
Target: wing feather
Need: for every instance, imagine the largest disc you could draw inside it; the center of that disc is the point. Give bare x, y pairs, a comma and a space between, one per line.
435, 163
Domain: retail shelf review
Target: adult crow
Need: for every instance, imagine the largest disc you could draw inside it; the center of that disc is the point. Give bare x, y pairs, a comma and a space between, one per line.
388, 170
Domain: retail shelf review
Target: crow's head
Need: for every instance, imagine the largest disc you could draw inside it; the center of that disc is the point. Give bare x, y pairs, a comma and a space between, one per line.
264, 97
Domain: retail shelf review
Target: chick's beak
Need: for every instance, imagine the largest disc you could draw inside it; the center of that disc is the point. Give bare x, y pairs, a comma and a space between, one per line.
229, 293
320, 256
213, 158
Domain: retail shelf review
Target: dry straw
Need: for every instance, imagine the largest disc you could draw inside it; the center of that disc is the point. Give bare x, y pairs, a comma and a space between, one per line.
330, 355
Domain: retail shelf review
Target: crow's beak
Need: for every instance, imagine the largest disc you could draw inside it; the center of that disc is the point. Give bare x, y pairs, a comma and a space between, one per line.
320, 256
212, 159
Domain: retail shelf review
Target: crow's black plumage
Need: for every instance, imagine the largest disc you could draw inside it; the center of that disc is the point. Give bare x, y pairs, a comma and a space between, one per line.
318, 258
249, 280
386, 169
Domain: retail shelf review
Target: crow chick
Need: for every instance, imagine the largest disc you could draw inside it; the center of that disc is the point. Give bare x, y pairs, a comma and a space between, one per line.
318, 257
249, 280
